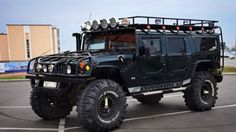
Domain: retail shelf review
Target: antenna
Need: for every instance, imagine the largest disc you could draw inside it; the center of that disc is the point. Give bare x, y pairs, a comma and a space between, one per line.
235, 46
90, 15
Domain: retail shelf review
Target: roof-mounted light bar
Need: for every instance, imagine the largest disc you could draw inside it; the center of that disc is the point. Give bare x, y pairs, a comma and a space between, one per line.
151, 23
104, 24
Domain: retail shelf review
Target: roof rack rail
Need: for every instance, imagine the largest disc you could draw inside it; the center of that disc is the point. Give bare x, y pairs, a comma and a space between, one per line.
166, 23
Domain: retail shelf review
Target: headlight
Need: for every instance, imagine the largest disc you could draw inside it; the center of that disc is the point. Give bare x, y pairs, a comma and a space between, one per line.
68, 69
45, 69
39, 67
50, 68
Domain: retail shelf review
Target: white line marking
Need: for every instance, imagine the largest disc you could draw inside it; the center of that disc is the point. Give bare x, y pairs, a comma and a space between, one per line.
61, 125
14, 107
72, 128
153, 116
160, 115
174, 113
28, 129
224, 106
129, 99
62, 121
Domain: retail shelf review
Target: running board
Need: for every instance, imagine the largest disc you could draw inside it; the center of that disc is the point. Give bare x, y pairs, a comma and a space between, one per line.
180, 89
160, 87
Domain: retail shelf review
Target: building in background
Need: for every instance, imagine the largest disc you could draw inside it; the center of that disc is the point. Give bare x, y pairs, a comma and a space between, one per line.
26, 41
4, 54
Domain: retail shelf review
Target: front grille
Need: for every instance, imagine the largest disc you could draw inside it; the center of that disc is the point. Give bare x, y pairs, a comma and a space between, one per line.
61, 69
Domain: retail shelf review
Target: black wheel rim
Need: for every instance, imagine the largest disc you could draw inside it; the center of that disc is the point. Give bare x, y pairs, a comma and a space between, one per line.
107, 106
206, 92
53, 100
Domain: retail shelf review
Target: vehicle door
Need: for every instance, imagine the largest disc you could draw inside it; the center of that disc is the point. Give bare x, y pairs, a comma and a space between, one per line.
151, 59
178, 57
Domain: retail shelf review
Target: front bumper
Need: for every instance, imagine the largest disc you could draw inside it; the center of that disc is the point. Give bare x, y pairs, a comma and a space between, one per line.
59, 78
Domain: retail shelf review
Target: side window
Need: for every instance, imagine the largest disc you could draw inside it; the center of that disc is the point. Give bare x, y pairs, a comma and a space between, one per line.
150, 47
176, 45
205, 44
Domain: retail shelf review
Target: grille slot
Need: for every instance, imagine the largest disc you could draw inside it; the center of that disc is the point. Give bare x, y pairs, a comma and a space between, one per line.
61, 69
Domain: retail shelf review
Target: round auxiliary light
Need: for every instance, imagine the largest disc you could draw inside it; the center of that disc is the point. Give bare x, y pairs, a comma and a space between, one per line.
45, 69
68, 69
113, 22
104, 23
95, 25
125, 22
39, 67
50, 68
86, 26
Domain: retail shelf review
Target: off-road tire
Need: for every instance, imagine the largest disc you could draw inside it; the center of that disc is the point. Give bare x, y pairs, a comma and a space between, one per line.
196, 98
90, 105
42, 105
150, 99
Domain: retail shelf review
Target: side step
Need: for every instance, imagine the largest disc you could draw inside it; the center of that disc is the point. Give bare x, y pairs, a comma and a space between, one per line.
180, 89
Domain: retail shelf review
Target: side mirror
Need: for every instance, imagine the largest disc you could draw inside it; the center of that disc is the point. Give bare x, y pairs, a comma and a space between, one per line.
122, 60
223, 43
78, 41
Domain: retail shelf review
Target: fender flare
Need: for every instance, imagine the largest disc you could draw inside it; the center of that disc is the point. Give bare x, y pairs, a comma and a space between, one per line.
196, 64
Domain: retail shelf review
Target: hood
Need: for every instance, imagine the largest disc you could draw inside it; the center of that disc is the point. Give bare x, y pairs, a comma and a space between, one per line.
104, 59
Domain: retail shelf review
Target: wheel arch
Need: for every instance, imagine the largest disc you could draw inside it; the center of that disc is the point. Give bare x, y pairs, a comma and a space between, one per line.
110, 72
203, 65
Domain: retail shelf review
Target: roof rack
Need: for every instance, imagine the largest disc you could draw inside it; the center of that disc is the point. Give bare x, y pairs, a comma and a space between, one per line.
165, 23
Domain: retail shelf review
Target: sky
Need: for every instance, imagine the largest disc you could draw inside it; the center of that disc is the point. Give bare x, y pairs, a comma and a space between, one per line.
69, 15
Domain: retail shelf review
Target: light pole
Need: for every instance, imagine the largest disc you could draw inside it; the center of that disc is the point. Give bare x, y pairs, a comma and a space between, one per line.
235, 48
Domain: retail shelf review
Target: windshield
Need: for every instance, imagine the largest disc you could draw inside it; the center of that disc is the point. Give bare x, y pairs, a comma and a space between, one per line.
120, 41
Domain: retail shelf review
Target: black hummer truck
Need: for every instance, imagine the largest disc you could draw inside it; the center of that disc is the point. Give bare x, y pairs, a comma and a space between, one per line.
143, 57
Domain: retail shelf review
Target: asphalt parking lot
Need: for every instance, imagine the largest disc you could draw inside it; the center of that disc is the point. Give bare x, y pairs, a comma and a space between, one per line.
170, 115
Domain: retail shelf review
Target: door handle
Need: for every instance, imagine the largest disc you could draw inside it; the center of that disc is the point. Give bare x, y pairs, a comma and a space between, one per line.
162, 59
163, 64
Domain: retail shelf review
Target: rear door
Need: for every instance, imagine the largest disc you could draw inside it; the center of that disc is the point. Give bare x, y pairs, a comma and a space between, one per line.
178, 57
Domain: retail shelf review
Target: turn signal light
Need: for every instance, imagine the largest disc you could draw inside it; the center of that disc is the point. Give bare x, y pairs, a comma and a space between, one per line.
82, 65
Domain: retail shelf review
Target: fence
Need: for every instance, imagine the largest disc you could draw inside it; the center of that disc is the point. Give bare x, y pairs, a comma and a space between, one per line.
9, 67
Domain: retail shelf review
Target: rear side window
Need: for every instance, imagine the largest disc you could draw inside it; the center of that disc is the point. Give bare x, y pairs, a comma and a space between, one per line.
205, 44
176, 45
